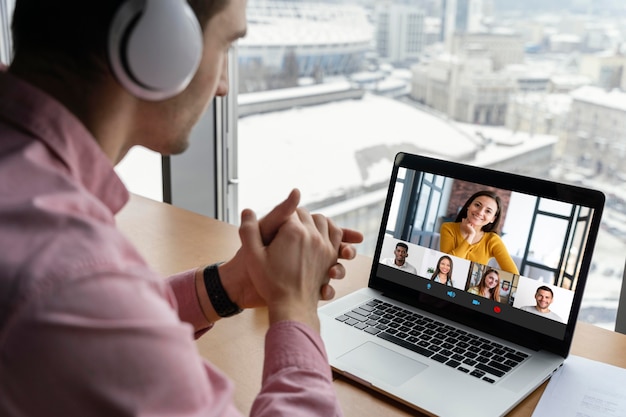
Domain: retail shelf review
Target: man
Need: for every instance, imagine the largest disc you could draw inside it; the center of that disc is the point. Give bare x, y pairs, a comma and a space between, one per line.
399, 260
543, 298
86, 327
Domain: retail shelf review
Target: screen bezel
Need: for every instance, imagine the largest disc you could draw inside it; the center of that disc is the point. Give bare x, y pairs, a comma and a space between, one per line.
592, 199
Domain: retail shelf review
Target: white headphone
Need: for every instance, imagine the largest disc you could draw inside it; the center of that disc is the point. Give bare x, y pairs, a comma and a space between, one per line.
155, 47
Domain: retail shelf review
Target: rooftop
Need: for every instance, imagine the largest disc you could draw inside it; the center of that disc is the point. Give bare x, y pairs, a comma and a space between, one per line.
328, 150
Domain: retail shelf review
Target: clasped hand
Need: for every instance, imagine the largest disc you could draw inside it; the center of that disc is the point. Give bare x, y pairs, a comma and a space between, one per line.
468, 230
287, 260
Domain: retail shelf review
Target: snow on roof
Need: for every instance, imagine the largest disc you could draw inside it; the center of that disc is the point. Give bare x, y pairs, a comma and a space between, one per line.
290, 93
505, 144
554, 103
614, 99
304, 23
570, 79
328, 149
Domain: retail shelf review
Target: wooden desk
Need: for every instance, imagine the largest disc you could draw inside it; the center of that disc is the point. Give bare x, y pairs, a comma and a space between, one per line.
173, 239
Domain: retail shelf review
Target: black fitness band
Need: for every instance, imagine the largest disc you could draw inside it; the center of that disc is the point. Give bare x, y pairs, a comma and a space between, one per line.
222, 304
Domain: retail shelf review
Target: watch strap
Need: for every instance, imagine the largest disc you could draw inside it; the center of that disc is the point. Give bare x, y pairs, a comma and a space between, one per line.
222, 304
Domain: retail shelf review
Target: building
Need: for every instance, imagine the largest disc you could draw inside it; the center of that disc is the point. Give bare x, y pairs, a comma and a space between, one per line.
289, 40
567, 83
503, 48
596, 135
465, 89
470, 84
539, 113
607, 69
461, 16
399, 32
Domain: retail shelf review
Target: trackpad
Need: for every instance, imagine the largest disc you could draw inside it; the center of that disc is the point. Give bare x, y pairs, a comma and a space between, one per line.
382, 363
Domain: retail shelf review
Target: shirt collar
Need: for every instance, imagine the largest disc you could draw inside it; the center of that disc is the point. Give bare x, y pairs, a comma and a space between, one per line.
30, 109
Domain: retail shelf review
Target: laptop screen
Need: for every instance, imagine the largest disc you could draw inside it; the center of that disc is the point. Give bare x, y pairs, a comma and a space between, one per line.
505, 253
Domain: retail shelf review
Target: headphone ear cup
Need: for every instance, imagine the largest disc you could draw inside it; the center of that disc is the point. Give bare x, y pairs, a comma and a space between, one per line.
155, 47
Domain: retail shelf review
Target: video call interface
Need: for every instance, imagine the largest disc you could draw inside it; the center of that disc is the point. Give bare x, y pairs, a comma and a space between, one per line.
537, 241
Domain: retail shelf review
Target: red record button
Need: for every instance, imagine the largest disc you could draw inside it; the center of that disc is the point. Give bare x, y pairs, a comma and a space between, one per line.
497, 309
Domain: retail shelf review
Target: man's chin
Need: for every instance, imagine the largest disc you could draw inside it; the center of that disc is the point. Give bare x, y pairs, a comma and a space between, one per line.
175, 148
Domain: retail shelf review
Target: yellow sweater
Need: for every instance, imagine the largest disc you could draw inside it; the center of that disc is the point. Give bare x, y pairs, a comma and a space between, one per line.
490, 246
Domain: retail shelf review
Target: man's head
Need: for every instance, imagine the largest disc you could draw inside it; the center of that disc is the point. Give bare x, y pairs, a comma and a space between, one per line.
544, 297
401, 253
62, 47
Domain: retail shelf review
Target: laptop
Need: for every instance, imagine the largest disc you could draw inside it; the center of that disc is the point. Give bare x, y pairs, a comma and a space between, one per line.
443, 348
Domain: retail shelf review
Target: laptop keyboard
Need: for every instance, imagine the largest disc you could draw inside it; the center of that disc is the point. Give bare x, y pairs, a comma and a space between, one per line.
459, 349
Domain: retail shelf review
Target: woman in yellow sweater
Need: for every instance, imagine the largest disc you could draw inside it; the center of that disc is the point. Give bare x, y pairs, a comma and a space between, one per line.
474, 233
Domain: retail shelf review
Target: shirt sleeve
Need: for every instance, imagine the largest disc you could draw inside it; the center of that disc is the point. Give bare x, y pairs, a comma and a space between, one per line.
183, 286
498, 250
297, 380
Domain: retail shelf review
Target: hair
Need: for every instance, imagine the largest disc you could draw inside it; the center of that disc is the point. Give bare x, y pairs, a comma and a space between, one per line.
495, 292
402, 245
75, 32
545, 288
437, 270
495, 224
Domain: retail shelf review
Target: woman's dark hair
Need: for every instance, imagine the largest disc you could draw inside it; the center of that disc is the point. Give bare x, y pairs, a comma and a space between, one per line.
495, 224
76, 31
437, 270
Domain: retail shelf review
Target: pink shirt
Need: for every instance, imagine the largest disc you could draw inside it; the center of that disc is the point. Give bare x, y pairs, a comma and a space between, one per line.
86, 327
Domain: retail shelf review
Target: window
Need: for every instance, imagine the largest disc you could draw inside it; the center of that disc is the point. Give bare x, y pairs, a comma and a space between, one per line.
489, 84
6, 10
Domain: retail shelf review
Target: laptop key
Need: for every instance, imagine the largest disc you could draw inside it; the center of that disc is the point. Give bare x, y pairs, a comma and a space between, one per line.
517, 356
356, 316
470, 362
439, 358
367, 308
404, 343
510, 363
452, 363
499, 366
489, 369
477, 373
372, 330
446, 352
